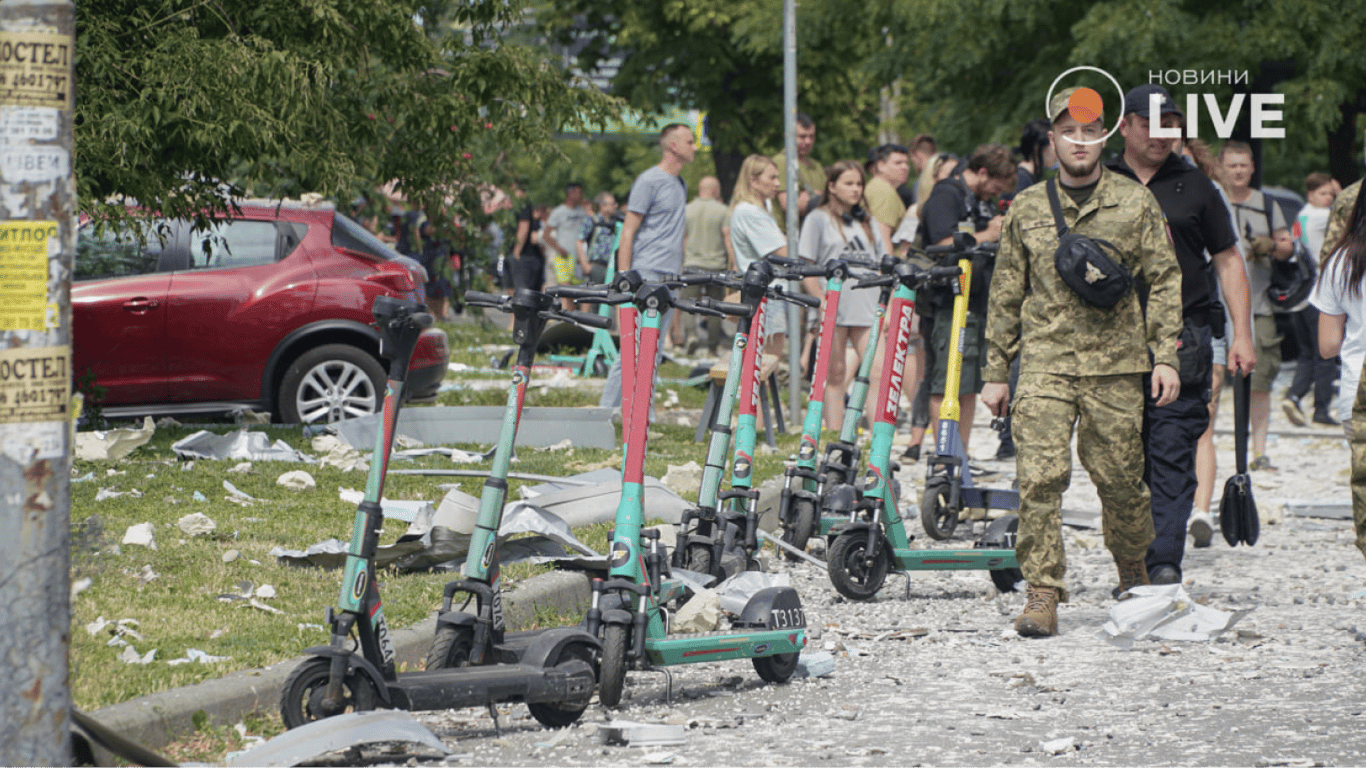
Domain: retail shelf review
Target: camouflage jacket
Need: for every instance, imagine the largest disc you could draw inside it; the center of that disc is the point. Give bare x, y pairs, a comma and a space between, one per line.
1337, 220
1032, 313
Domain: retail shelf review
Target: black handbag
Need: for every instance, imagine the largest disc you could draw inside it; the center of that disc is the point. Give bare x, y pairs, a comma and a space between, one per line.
1238, 520
1083, 264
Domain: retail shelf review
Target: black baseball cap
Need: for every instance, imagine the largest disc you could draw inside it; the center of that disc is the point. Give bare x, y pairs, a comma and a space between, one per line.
1136, 100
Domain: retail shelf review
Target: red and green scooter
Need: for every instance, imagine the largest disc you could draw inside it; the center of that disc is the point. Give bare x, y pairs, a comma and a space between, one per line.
720, 535
874, 540
630, 609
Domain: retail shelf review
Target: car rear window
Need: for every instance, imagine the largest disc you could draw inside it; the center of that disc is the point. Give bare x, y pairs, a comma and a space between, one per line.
232, 244
120, 250
348, 234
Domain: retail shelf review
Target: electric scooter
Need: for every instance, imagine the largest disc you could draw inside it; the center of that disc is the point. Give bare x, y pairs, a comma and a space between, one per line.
875, 540
949, 490
720, 535
629, 609
554, 674
804, 484
598, 358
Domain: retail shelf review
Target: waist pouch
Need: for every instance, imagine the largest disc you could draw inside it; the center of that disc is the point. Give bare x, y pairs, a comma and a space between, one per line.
1084, 265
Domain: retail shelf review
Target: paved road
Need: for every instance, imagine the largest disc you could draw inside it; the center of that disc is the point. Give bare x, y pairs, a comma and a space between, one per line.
937, 678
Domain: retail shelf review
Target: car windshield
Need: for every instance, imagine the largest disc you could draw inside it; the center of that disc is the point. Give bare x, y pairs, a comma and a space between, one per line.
348, 234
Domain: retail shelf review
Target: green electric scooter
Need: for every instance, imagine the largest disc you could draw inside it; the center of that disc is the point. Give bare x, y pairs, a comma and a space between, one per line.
602, 352
874, 540
630, 609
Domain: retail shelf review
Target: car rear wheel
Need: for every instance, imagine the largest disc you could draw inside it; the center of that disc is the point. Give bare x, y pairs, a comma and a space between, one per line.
331, 383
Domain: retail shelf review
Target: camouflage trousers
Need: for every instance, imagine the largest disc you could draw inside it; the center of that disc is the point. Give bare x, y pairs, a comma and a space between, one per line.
1356, 436
1107, 413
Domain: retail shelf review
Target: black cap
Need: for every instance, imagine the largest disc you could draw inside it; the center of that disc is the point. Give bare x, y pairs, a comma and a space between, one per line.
1136, 100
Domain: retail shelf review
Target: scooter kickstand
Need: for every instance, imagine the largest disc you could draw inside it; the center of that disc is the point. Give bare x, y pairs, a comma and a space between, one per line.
493, 713
668, 683
907, 575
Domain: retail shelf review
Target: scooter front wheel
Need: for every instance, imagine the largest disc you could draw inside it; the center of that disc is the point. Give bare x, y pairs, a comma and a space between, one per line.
852, 573
451, 648
936, 516
301, 701
698, 558
801, 527
777, 668
575, 661
612, 670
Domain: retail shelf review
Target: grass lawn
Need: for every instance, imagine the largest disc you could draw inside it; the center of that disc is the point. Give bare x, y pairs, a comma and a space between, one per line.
170, 596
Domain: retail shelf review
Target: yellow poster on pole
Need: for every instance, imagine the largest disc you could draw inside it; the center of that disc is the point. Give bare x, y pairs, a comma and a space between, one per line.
23, 273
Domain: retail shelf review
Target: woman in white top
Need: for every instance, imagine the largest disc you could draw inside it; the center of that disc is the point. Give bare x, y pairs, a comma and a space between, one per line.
840, 229
1338, 296
1342, 320
755, 235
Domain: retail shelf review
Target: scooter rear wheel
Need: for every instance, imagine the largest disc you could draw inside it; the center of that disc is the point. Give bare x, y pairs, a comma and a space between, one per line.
1001, 535
936, 516
301, 699
802, 526
612, 670
850, 573
575, 660
777, 668
451, 648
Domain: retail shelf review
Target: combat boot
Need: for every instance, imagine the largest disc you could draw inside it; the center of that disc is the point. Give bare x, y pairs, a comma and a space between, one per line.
1132, 573
1040, 616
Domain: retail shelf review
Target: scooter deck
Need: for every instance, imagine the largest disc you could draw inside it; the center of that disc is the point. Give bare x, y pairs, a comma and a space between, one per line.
460, 687
954, 559
696, 647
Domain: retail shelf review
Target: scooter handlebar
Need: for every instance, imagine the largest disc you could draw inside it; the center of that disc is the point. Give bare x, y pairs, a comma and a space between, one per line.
590, 319
804, 269
598, 294
713, 307
937, 273
481, 299
797, 298
876, 282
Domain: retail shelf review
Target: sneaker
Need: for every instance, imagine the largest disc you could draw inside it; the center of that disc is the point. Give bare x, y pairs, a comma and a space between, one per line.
1006, 451
1262, 463
1324, 420
912, 454
1201, 528
1291, 406
1040, 616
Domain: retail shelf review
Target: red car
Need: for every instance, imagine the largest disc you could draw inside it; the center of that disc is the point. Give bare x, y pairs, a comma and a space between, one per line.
269, 310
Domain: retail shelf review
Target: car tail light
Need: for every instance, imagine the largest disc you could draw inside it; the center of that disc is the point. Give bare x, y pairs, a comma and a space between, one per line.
393, 276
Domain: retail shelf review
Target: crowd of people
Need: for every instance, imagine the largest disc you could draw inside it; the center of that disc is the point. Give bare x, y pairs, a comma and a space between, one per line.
1136, 372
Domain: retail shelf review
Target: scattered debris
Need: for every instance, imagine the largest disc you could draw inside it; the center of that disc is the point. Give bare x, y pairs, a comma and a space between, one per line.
141, 535
702, 613
241, 468
684, 478
197, 524
231, 555
815, 664
337, 453
297, 480
236, 445
1058, 746
634, 734
199, 496
1166, 612
113, 444
332, 734
147, 575
109, 493
560, 446
80, 585
130, 656
196, 656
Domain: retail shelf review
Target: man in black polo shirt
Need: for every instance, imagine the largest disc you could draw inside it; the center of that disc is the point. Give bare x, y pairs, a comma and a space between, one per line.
1198, 222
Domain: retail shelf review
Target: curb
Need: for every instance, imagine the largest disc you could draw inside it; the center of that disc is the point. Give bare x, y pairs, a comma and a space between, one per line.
158, 719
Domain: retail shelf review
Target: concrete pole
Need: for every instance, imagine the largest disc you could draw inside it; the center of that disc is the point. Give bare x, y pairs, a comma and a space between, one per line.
794, 313
37, 243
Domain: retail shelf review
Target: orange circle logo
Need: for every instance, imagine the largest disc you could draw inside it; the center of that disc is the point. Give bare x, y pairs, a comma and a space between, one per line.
1084, 105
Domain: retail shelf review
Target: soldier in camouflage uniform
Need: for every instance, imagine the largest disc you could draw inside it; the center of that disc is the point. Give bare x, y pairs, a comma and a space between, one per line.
1356, 427
1337, 220
1079, 364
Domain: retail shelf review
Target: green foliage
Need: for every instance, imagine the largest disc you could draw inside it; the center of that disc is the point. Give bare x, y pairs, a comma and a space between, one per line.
185, 103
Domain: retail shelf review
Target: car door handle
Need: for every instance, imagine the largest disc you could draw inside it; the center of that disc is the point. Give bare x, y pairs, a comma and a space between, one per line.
140, 304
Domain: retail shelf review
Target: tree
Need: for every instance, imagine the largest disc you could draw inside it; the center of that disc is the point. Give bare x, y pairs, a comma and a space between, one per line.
725, 59
183, 103
978, 70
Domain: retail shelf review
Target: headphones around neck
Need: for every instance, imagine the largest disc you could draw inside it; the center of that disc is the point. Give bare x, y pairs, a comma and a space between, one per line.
854, 214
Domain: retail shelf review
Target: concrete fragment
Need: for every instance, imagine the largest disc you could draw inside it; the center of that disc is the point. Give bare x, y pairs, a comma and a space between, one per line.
113, 444
1058, 746
197, 524
640, 734
700, 614
297, 480
141, 534
683, 478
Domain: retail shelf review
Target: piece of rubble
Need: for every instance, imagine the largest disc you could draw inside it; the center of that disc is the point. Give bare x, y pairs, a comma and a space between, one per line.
141, 534
297, 480
197, 524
